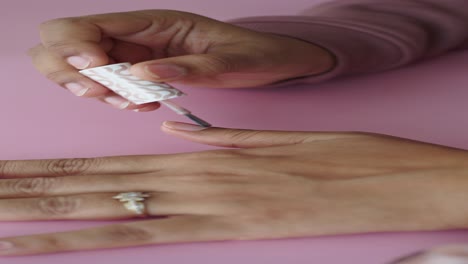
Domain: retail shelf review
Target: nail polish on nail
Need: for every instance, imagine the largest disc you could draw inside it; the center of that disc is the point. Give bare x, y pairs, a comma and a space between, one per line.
165, 71
79, 62
124, 105
182, 126
446, 259
453, 250
118, 102
76, 88
4, 245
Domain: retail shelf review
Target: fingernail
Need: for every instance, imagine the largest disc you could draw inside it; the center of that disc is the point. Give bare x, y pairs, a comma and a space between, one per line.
165, 71
453, 250
136, 110
117, 101
76, 88
4, 245
445, 259
182, 126
79, 62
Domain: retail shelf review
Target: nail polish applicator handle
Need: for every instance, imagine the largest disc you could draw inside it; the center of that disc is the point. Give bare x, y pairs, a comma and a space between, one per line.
182, 111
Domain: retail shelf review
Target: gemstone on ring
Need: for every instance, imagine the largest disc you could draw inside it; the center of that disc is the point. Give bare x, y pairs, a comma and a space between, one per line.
133, 201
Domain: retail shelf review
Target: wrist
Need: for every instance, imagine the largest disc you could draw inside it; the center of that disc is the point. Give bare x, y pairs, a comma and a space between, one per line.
408, 200
431, 199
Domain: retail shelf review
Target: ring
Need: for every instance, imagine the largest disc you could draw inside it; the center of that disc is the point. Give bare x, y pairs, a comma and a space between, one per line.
133, 201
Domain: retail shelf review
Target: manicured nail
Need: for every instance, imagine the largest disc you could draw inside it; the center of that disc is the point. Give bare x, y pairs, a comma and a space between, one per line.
452, 250
136, 110
182, 126
5, 245
76, 88
79, 62
165, 71
445, 259
117, 101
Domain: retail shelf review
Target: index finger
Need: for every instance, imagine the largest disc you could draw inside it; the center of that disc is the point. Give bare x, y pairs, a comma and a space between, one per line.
77, 39
81, 166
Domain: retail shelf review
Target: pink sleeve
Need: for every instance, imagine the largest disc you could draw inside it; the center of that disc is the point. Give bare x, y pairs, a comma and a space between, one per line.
373, 35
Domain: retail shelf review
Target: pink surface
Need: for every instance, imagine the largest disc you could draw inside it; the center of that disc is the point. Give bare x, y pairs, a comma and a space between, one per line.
425, 102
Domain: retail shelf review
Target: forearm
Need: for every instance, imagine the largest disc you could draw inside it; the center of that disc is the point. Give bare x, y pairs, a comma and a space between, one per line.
370, 36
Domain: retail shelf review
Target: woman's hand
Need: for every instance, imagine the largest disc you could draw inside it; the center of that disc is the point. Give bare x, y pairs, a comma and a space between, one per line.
170, 46
277, 185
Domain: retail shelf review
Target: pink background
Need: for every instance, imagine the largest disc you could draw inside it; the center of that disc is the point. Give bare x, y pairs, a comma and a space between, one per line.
39, 120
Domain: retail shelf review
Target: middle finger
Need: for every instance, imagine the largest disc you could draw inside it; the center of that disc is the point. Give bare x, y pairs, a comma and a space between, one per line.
50, 186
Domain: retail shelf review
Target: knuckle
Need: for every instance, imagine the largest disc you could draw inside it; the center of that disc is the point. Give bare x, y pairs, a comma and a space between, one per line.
57, 76
34, 51
60, 205
217, 64
238, 136
51, 243
6, 168
33, 186
64, 167
126, 233
57, 22
50, 22
61, 47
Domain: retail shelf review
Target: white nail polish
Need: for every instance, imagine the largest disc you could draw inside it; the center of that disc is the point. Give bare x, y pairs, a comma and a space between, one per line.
79, 62
117, 102
436, 258
124, 105
76, 88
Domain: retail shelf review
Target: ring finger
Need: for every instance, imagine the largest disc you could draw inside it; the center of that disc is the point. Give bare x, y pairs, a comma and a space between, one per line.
101, 206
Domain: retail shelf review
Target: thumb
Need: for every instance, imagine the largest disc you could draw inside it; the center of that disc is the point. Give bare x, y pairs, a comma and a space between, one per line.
191, 67
242, 138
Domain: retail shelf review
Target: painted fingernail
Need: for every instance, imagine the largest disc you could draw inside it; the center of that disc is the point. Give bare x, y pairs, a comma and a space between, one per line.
165, 71
453, 250
445, 259
76, 88
79, 62
182, 126
117, 102
147, 108
5, 245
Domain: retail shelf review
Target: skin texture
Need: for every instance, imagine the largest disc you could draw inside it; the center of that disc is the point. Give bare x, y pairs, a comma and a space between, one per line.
276, 184
203, 52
